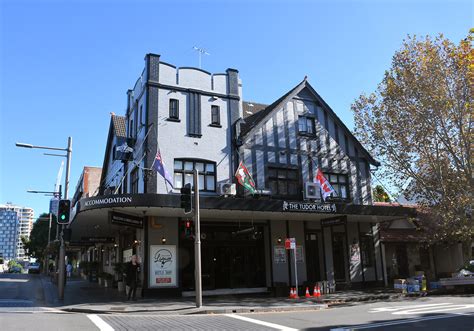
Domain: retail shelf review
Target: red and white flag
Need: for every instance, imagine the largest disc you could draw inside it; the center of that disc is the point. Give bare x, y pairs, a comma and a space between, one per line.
324, 185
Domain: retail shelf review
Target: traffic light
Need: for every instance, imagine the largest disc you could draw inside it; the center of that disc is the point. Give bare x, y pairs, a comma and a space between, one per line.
64, 210
186, 198
188, 229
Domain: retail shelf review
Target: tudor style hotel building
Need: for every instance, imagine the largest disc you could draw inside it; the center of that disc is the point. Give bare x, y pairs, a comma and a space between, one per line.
198, 120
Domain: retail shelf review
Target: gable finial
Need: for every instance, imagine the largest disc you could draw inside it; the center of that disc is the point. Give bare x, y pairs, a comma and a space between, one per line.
305, 78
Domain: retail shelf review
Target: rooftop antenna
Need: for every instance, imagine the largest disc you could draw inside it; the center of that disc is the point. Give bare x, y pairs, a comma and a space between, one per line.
201, 51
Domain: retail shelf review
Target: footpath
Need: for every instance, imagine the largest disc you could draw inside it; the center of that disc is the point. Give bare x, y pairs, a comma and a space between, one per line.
86, 297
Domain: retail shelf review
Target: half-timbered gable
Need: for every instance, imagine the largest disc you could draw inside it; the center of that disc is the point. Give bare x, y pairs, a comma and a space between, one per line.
285, 143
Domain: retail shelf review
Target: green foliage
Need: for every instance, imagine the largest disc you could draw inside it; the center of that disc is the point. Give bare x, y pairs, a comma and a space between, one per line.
38, 241
379, 194
418, 123
14, 264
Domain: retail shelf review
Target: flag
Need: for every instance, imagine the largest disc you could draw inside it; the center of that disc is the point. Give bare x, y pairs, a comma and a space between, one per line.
159, 167
245, 179
324, 185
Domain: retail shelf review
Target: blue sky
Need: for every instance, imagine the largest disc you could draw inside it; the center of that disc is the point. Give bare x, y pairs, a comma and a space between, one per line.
65, 65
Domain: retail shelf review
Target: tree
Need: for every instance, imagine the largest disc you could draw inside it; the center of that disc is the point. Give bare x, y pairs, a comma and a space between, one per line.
379, 194
38, 242
419, 124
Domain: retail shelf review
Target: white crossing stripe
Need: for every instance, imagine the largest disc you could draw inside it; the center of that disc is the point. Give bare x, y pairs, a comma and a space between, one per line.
414, 320
389, 309
100, 323
254, 321
428, 310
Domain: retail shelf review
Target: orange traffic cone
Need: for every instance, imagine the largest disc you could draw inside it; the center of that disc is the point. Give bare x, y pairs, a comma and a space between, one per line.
292, 294
307, 295
296, 293
315, 291
318, 291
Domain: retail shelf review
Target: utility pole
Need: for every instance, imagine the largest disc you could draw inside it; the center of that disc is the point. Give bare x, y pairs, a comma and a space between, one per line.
197, 242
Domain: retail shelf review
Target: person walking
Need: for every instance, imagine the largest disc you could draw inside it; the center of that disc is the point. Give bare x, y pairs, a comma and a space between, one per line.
69, 270
132, 273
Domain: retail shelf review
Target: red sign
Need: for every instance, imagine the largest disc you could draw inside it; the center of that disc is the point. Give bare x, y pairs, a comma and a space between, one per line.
290, 243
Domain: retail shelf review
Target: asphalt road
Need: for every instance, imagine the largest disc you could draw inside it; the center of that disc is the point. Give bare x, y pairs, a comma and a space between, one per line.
22, 307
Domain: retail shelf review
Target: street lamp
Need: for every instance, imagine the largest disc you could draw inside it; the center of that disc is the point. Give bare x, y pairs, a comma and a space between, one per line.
62, 250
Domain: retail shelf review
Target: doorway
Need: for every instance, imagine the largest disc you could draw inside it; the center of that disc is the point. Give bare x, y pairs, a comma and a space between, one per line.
313, 270
338, 255
232, 255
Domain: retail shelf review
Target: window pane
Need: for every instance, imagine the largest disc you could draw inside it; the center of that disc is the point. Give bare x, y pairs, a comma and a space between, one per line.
342, 179
292, 188
309, 125
291, 174
188, 179
178, 180
282, 188
188, 166
336, 188
333, 178
282, 174
210, 182
201, 182
210, 167
272, 173
199, 166
273, 187
343, 192
178, 165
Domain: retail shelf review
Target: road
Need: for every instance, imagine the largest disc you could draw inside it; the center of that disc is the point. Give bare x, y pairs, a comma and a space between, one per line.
23, 307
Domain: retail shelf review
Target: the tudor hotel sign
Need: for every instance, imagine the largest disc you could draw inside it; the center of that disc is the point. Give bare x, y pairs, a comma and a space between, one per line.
308, 207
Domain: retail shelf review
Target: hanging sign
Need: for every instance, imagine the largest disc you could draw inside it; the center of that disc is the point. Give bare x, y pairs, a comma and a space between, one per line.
333, 221
163, 263
125, 219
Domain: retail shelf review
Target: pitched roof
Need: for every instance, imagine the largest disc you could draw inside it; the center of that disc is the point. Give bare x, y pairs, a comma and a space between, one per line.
119, 126
253, 120
251, 108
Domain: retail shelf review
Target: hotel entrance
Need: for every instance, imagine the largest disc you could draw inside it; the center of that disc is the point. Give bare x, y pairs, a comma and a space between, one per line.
232, 257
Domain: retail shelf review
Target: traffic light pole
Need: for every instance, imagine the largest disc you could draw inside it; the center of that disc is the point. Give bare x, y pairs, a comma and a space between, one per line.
197, 242
62, 248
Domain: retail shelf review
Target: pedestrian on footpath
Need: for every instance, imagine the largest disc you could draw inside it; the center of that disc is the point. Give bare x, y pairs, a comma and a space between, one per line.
132, 273
69, 270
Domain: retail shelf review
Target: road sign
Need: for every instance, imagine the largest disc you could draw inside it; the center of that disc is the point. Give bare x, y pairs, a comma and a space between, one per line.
290, 243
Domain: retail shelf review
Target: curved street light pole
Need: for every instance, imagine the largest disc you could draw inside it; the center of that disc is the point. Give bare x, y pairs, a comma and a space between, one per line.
62, 249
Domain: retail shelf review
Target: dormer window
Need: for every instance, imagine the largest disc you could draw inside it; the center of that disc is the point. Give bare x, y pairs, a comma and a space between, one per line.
174, 109
306, 125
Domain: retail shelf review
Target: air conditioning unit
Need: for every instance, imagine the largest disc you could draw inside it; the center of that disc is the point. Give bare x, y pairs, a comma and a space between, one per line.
227, 189
312, 191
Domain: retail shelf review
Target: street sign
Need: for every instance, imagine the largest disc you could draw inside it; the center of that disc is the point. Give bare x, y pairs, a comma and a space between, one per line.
290, 243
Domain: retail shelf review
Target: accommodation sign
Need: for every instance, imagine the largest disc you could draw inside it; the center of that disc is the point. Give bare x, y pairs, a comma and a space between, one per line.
309, 207
125, 219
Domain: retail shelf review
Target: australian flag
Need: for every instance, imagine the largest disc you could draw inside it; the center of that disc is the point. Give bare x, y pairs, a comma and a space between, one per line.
159, 166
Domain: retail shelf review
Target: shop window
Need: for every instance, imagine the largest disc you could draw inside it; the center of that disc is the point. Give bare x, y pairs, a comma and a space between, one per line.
283, 181
183, 173
174, 109
134, 181
367, 251
306, 125
340, 184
